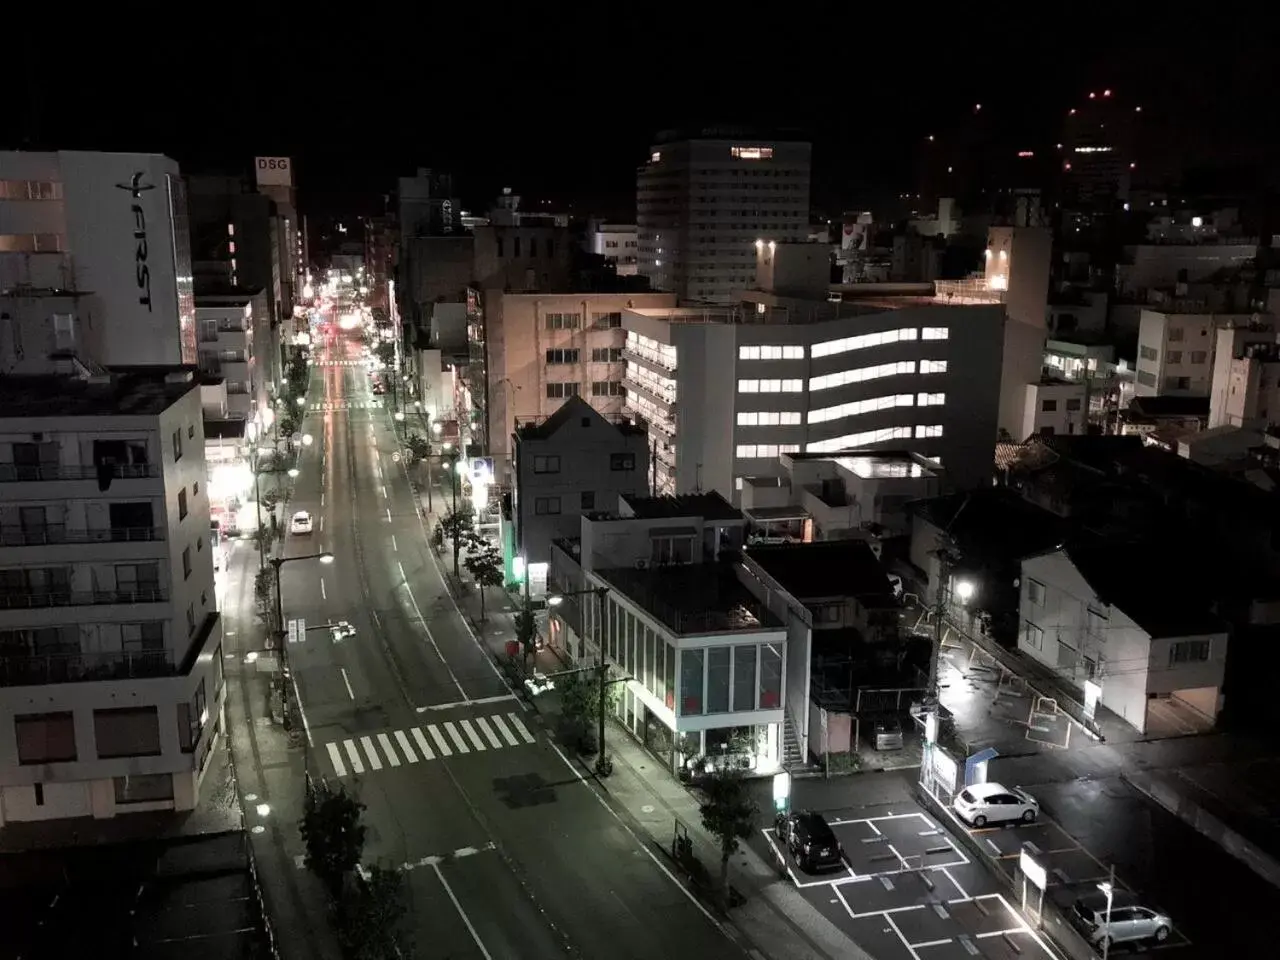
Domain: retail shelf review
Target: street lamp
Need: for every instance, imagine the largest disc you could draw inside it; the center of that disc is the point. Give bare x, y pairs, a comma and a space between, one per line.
293, 473
308, 439
601, 667
276, 564
301, 401
1108, 888
964, 590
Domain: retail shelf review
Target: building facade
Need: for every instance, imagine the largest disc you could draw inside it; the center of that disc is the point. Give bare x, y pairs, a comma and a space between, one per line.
1176, 349
725, 392
617, 243
701, 204
1054, 406
111, 687
115, 225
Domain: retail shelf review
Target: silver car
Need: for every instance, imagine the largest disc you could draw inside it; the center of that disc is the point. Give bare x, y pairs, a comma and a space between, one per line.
1129, 921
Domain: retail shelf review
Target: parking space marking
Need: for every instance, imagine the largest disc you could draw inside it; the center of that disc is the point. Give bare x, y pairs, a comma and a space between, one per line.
889, 920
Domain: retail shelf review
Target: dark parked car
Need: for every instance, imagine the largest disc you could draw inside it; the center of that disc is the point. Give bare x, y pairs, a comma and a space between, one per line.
811, 841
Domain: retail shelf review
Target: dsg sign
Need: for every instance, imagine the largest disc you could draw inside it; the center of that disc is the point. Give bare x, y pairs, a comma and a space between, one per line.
274, 171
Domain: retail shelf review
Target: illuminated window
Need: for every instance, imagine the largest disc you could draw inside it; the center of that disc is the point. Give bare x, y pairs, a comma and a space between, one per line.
931, 430
861, 374
852, 441
771, 353
769, 418
935, 333
933, 366
752, 153
756, 451
655, 157
863, 341
856, 407
30, 190
930, 399
770, 386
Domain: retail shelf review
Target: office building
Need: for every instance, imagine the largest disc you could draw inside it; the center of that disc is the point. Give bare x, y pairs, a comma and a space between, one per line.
703, 202
573, 462
111, 686
542, 349
109, 230
617, 243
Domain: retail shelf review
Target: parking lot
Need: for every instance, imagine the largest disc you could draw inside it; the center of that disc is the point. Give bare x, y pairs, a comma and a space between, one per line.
909, 892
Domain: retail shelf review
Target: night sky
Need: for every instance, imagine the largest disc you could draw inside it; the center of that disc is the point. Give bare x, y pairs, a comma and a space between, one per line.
563, 107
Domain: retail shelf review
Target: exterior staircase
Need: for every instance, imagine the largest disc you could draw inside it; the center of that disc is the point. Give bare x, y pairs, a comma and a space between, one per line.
793, 758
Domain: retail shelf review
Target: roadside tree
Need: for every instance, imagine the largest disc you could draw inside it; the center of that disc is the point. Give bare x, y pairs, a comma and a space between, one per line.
728, 813
333, 835
484, 563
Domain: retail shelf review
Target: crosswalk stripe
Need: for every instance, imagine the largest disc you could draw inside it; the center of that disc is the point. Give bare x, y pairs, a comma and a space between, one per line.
441, 743
471, 734
353, 755
390, 751
488, 733
505, 730
520, 727
455, 737
374, 760
339, 767
423, 745
405, 748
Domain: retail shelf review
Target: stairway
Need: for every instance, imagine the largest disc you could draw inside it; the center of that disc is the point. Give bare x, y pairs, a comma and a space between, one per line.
793, 757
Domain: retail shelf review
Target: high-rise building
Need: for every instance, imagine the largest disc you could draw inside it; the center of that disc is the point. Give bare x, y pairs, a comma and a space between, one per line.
111, 686
111, 231
702, 203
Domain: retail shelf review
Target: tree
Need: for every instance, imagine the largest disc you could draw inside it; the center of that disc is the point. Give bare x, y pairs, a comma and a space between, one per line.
386, 353
333, 834
526, 633
264, 583
419, 447
288, 427
369, 913
728, 813
456, 525
484, 563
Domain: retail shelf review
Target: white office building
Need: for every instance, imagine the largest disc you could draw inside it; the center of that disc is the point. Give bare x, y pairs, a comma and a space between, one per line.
617, 243
110, 231
111, 686
701, 204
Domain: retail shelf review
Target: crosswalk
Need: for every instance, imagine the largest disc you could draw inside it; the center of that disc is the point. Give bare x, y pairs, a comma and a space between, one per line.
340, 363
432, 741
345, 405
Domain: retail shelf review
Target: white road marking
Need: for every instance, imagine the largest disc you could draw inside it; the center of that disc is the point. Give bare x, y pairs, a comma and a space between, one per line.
322, 500
388, 514
462, 913
322, 523
393, 544
500, 698
335, 757
392, 757
520, 727
371, 752
417, 611
488, 733
471, 734
323, 595
354, 756
423, 745
441, 744
347, 680
405, 748
505, 730
384, 492
905, 943
456, 737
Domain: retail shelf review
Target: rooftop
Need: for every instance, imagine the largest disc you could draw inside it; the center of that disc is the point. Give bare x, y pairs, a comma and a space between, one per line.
1169, 406
694, 598
872, 466
829, 568
231, 428
993, 522
1166, 599
125, 394
708, 506
573, 407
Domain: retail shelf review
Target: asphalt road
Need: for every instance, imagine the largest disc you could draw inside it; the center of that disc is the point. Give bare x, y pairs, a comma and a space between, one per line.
507, 851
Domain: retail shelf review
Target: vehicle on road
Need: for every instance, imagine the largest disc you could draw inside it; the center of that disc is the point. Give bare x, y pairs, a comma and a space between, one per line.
1129, 921
811, 841
300, 523
888, 734
984, 803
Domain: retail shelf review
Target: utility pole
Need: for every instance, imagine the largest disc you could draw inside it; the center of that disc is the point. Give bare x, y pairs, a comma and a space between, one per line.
601, 663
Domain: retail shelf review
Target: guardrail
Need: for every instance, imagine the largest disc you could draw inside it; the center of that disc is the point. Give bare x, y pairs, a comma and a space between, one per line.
24, 473
83, 667
57, 533
80, 598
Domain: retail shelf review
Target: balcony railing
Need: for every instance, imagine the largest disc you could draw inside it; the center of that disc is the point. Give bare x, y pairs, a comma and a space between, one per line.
82, 598
23, 473
656, 394
58, 533
83, 667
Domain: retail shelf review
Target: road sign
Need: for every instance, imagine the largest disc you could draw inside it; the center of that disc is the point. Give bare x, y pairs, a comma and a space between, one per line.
482, 469
297, 631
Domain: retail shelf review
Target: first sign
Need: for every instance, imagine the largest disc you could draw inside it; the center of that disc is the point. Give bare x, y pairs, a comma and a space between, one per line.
274, 171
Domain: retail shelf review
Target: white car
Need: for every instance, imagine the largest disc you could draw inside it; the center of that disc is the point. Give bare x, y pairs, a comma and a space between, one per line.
1129, 921
301, 523
984, 803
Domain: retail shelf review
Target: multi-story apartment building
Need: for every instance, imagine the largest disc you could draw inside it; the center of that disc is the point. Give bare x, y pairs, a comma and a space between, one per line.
617, 243
111, 686
702, 203
706, 660
724, 392
1054, 405
543, 349
228, 351
573, 462
1246, 377
1176, 349
109, 226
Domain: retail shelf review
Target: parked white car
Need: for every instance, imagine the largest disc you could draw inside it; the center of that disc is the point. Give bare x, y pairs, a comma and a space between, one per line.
985, 803
1129, 921
300, 523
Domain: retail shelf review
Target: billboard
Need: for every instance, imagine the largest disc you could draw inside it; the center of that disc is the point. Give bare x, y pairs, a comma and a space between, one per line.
273, 171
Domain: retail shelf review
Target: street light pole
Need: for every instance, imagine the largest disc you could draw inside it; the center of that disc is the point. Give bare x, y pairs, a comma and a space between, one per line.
280, 633
600, 593
1108, 888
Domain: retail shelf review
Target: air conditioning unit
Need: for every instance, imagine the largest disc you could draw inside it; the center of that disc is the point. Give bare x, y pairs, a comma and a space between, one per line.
642, 564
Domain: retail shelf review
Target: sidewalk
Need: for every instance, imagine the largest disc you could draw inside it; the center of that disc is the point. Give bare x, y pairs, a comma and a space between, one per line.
773, 921
269, 775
